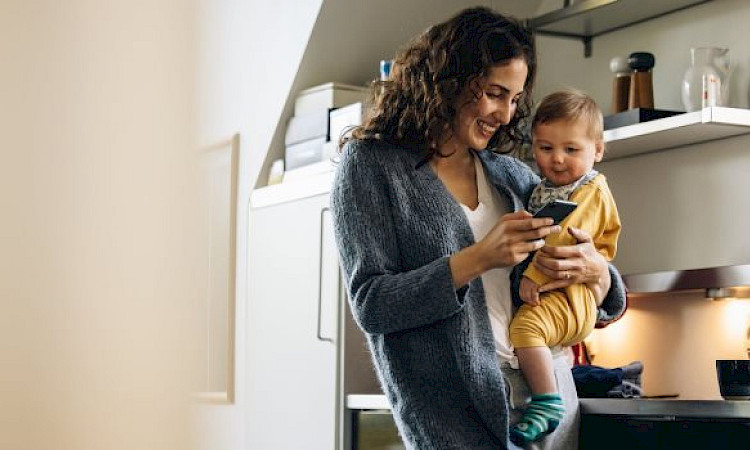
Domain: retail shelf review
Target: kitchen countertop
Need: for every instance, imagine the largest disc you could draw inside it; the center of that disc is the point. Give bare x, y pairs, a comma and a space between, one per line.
720, 409
366, 401
723, 409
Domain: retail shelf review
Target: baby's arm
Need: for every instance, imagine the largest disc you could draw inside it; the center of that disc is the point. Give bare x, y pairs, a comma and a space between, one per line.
529, 291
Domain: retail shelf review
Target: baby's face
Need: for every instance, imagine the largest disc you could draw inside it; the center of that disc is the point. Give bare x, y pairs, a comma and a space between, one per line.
565, 151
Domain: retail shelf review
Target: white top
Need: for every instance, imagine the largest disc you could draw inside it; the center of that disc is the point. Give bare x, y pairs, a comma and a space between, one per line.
492, 206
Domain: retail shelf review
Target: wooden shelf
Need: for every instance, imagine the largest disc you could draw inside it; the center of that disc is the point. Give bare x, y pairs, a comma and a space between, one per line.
705, 125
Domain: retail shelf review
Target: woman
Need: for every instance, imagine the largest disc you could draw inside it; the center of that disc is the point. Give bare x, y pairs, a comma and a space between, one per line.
429, 224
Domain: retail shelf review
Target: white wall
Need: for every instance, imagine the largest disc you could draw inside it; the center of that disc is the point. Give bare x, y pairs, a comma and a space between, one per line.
98, 234
718, 23
682, 208
248, 55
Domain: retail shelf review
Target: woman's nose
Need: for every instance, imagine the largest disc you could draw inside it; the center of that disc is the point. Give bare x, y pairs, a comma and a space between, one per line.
504, 113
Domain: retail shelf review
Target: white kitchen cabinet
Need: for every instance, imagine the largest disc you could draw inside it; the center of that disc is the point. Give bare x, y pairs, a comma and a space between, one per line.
293, 286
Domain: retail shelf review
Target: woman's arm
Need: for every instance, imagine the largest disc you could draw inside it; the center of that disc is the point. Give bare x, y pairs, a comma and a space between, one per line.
581, 263
384, 297
615, 303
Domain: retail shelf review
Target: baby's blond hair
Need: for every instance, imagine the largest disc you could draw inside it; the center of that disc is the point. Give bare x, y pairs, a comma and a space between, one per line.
571, 104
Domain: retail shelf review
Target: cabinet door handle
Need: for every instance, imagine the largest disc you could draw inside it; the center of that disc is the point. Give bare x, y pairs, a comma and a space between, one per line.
328, 288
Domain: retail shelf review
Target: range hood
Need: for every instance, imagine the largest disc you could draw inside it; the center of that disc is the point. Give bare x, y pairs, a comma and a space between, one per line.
587, 19
714, 282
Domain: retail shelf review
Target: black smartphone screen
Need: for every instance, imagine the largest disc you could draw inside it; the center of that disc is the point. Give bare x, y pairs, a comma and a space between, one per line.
557, 210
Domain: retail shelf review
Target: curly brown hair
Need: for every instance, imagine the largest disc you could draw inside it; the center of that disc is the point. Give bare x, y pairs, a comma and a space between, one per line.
417, 105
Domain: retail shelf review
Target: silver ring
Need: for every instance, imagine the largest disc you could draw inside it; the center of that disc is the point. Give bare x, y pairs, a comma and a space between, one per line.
567, 275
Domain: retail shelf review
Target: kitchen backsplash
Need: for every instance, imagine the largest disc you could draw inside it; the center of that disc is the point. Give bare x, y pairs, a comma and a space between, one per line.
678, 337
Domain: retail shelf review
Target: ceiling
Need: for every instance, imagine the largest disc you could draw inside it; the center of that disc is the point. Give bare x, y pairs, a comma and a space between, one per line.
524, 9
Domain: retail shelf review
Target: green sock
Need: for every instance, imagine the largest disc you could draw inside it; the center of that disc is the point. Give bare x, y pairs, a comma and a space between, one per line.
543, 415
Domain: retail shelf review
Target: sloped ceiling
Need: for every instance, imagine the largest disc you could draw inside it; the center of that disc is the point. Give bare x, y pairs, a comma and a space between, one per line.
350, 37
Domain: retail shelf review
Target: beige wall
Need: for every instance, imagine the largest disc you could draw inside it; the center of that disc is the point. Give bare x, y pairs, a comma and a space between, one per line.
104, 108
682, 208
98, 235
678, 338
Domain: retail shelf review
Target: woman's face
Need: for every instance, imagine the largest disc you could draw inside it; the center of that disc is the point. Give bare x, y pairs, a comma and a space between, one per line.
478, 119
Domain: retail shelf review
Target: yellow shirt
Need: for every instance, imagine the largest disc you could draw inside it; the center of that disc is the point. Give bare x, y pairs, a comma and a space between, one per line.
596, 214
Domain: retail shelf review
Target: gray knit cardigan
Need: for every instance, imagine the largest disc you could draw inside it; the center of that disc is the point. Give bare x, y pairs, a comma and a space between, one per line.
432, 346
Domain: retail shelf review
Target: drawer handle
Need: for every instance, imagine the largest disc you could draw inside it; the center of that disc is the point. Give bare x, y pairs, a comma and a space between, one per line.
321, 262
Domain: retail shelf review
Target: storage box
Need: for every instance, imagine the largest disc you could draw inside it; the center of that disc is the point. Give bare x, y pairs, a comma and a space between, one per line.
308, 152
636, 115
341, 120
307, 126
328, 96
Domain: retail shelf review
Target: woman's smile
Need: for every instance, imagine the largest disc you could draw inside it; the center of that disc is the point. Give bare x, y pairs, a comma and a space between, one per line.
486, 129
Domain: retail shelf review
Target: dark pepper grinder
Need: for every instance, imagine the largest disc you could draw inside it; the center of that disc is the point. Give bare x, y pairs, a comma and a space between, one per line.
641, 82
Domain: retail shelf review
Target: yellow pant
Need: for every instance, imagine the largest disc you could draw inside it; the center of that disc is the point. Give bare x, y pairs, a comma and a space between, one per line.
563, 318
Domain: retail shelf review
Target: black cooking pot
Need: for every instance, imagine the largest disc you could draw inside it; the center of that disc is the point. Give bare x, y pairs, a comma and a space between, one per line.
734, 378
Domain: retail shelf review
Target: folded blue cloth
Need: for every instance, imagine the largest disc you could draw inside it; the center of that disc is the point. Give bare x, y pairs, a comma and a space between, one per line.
594, 381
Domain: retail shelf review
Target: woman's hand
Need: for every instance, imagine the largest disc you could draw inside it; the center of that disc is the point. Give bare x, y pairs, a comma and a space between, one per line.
508, 243
571, 264
514, 237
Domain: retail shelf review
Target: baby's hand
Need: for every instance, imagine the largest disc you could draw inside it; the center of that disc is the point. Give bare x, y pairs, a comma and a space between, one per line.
529, 291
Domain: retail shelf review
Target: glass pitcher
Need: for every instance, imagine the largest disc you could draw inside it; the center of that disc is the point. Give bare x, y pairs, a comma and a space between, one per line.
706, 81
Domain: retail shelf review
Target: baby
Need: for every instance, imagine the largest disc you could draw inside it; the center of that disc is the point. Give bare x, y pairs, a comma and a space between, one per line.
567, 139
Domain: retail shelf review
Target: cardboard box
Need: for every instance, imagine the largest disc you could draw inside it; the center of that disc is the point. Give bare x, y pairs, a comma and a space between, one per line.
328, 96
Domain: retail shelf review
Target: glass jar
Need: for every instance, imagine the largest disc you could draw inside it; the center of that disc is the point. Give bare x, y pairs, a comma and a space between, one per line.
706, 81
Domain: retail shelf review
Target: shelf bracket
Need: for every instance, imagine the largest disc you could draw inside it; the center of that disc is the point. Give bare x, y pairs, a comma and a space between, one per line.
587, 46
587, 40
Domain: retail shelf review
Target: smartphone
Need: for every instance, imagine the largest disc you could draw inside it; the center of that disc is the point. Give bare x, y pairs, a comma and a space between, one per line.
557, 210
